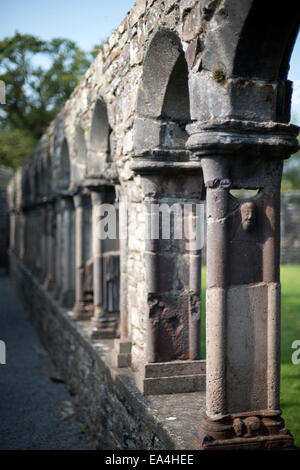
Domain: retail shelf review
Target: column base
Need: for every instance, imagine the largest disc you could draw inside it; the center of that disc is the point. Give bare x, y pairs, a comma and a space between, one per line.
82, 311
172, 377
253, 430
105, 327
122, 353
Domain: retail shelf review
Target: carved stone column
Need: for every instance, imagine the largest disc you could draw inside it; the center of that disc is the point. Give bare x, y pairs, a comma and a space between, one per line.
172, 193
122, 346
243, 281
104, 324
67, 253
80, 310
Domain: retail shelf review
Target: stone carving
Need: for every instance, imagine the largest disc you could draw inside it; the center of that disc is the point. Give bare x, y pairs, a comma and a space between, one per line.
248, 215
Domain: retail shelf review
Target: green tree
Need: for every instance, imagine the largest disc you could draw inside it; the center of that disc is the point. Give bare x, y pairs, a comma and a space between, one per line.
34, 93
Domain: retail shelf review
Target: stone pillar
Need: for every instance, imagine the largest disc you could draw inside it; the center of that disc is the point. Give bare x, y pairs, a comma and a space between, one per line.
243, 282
80, 310
122, 346
67, 253
104, 324
172, 200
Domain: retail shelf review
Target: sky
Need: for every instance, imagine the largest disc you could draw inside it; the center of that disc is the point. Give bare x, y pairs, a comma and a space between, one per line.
89, 22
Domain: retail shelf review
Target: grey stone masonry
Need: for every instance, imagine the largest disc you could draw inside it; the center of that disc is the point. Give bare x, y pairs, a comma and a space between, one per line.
186, 102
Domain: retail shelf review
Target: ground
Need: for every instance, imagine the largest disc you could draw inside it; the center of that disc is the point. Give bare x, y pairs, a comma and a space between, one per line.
35, 407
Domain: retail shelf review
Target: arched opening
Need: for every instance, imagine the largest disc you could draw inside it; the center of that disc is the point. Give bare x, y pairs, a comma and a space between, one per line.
163, 107
176, 104
267, 39
264, 50
99, 143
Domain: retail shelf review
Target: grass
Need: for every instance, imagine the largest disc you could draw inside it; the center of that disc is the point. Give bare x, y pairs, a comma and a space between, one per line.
290, 331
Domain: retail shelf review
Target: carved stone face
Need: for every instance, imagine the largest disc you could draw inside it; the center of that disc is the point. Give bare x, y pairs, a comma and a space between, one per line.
248, 211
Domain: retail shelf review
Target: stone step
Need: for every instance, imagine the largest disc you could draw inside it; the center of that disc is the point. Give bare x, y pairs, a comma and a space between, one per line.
175, 369
176, 384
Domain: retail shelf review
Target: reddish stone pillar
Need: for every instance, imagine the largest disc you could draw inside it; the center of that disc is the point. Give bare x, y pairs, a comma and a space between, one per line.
243, 283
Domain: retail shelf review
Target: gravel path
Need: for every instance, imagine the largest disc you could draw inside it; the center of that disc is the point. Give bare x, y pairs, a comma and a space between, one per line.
35, 407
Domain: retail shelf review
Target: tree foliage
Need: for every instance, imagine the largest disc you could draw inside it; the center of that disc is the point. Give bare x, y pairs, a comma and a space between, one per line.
39, 77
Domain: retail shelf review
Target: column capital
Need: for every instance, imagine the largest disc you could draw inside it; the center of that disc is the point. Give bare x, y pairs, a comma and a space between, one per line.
97, 184
236, 137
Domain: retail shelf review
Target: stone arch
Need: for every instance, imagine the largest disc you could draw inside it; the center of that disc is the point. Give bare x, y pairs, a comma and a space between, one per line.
162, 107
266, 41
99, 139
244, 63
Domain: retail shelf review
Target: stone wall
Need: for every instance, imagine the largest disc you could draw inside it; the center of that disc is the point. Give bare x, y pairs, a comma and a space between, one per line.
106, 397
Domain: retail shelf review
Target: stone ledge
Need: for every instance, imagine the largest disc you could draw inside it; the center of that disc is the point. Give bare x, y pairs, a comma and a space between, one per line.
176, 384
172, 369
106, 398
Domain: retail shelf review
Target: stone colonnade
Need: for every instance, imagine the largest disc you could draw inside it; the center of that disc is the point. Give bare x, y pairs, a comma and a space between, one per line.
187, 102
